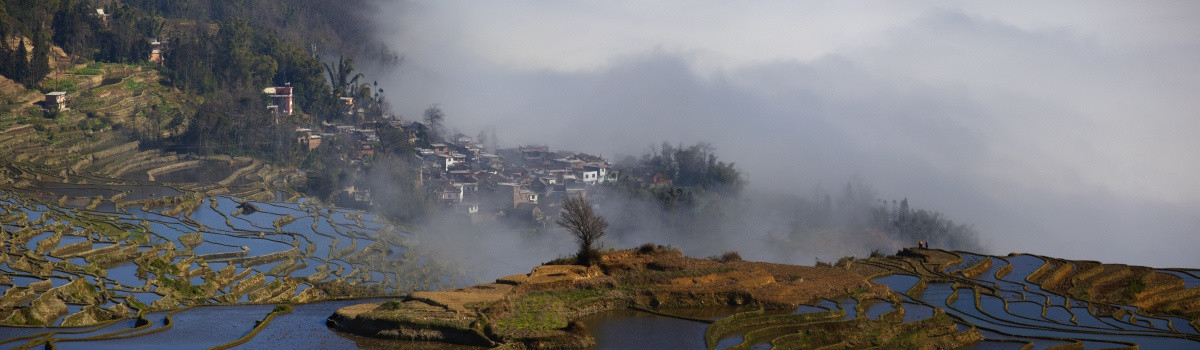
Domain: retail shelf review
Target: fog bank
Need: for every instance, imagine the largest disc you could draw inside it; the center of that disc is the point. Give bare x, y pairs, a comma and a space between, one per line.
1064, 129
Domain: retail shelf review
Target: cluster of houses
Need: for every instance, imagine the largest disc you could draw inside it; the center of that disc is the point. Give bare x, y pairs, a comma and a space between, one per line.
465, 176
460, 173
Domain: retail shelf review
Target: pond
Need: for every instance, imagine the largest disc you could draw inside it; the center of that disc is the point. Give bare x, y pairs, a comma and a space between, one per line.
627, 329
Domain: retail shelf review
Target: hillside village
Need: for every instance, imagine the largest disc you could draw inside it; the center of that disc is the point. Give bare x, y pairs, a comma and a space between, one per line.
221, 98
463, 174
460, 174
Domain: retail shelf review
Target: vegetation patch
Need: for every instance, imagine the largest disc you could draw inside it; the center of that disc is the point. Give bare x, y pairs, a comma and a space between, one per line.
93, 68
544, 311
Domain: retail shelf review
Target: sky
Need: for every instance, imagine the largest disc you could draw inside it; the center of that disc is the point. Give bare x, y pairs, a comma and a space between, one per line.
1067, 128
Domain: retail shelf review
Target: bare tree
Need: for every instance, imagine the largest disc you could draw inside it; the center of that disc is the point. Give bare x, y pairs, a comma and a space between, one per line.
434, 119
581, 220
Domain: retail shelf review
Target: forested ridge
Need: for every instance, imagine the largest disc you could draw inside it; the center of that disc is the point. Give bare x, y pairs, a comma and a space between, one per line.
221, 54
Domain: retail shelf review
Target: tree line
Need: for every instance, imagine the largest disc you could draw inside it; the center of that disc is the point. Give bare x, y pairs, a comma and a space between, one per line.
678, 176
23, 23
697, 195
901, 221
223, 52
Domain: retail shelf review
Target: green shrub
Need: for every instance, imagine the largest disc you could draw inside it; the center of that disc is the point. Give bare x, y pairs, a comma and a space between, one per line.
727, 257
134, 86
89, 70
1132, 289
67, 85
391, 305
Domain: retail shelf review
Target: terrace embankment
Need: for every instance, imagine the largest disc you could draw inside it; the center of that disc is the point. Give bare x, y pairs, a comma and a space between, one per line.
82, 153
1106, 286
540, 309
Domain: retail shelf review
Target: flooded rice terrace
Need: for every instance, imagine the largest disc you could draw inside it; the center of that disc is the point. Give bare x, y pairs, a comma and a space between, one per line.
997, 299
193, 271
203, 272
1012, 312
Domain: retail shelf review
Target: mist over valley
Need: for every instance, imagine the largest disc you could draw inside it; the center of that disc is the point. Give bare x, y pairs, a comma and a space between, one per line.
672, 174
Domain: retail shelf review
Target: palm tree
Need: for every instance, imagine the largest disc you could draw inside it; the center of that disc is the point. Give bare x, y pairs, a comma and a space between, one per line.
342, 77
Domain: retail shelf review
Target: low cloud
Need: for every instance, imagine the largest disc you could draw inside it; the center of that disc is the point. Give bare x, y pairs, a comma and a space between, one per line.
1060, 138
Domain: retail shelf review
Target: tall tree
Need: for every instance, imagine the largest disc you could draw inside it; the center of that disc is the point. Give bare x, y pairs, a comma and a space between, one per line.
241, 56
342, 77
7, 63
39, 64
307, 76
72, 27
20, 69
581, 220
188, 63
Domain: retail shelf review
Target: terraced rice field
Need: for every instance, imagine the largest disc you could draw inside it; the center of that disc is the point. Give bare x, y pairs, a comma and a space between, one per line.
118, 276
951, 299
104, 239
1002, 300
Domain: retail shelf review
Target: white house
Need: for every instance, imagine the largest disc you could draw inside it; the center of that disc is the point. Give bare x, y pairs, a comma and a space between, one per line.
56, 101
591, 177
450, 159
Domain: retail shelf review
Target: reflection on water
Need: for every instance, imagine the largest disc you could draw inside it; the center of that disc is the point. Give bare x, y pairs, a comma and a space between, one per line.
126, 274
1189, 277
195, 328
916, 312
899, 283
1001, 341
1023, 266
731, 341
878, 308
807, 309
1021, 313
1008, 322
626, 329
968, 261
995, 345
